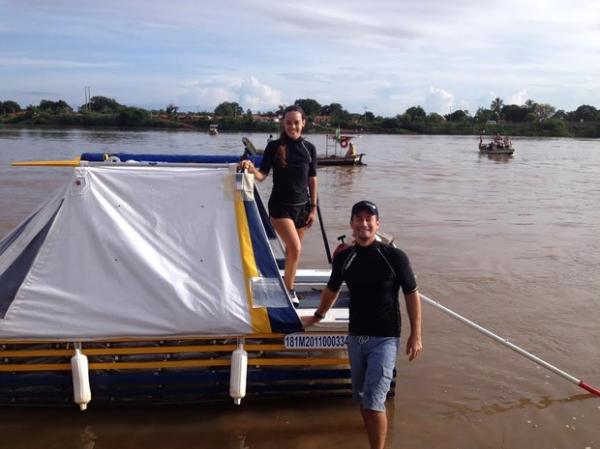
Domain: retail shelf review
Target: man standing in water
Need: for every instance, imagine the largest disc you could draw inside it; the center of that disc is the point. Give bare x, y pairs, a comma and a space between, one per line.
374, 273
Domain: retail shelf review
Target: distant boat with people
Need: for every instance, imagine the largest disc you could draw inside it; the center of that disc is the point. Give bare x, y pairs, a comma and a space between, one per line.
331, 157
498, 145
213, 130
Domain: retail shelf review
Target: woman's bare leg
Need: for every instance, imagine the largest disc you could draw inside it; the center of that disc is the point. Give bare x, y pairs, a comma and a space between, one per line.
292, 239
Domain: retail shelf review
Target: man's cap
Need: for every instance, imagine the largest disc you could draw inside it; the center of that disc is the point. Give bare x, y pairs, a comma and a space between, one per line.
365, 205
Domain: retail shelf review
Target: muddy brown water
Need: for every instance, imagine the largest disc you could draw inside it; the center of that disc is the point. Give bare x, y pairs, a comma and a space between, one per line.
512, 243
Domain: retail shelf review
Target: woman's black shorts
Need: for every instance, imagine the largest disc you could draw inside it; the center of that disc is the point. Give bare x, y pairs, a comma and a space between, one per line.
297, 213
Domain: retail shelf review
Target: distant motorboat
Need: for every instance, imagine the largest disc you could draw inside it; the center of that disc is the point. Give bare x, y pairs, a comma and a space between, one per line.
213, 130
325, 161
498, 145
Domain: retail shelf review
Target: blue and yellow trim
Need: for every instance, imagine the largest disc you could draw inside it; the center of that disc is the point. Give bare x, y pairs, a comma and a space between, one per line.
258, 316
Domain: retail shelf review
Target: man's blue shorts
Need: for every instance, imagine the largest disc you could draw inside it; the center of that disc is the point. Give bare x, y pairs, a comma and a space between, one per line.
372, 362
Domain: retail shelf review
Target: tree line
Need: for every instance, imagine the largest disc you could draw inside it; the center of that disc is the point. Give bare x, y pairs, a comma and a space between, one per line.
531, 118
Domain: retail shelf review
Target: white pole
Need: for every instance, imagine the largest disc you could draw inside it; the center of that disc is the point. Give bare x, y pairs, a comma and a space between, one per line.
510, 345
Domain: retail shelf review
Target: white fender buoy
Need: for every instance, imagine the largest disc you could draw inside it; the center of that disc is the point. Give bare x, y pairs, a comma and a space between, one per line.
237, 374
82, 393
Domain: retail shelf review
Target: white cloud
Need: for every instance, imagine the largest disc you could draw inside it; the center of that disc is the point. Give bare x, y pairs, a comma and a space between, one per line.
440, 101
248, 92
257, 96
518, 98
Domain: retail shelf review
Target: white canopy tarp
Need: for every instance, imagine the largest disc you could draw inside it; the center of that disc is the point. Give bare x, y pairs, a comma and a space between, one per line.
136, 251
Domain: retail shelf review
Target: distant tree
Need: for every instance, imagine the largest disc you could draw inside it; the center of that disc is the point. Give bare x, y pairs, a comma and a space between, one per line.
390, 123
369, 116
585, 113
416, 114
538, 112
46, 105
483, 115
434, 117
9, 107
280, 110
129, 116
560, 115
544, 111
102, 104
309, 106
229, 109
59, 106
555, 127
514, 113
171, 109
496, 106
332, 109
336, 112
458, 116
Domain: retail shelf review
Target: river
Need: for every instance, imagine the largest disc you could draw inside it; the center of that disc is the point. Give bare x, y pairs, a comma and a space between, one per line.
511, 243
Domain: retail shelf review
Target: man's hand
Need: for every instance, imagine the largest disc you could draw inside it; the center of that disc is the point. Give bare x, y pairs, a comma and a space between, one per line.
414, 347
308, 321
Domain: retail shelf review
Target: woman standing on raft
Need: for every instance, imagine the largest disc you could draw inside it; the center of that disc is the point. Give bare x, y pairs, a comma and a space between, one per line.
293, 201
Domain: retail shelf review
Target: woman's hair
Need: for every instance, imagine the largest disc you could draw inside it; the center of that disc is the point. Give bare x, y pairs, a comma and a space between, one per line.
283, 137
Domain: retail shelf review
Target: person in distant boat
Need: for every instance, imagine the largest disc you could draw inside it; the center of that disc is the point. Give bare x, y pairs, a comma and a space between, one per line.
293, 201
374, 273
351, 150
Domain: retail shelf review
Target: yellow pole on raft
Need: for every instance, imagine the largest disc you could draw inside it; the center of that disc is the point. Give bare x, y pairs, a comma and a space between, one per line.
65, 163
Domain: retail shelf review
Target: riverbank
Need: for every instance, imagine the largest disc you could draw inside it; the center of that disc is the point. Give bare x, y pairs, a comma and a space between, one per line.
133, 119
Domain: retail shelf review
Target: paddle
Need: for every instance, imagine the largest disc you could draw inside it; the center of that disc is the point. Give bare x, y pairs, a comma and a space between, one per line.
324, 235
512, 346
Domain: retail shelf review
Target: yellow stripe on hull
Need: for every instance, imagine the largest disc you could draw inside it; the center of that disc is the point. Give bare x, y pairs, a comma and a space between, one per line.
258, 315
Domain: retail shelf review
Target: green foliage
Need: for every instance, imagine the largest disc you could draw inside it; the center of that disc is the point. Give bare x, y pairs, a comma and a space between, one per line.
59, 106
102, 104
131, 117
496, 106
9, 107
531, 119
458, 116
416, 114
389, 123
310, 107
484, 115
171, 109
554, 128
514, 113
434, 117
229, 109
585, 113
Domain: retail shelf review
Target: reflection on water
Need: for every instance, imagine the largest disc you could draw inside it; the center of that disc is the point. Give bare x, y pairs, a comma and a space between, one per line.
511, 243
88, 438
503, 158
503, 407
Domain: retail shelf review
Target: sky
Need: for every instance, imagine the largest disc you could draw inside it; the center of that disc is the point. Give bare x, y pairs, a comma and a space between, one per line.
382, 56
